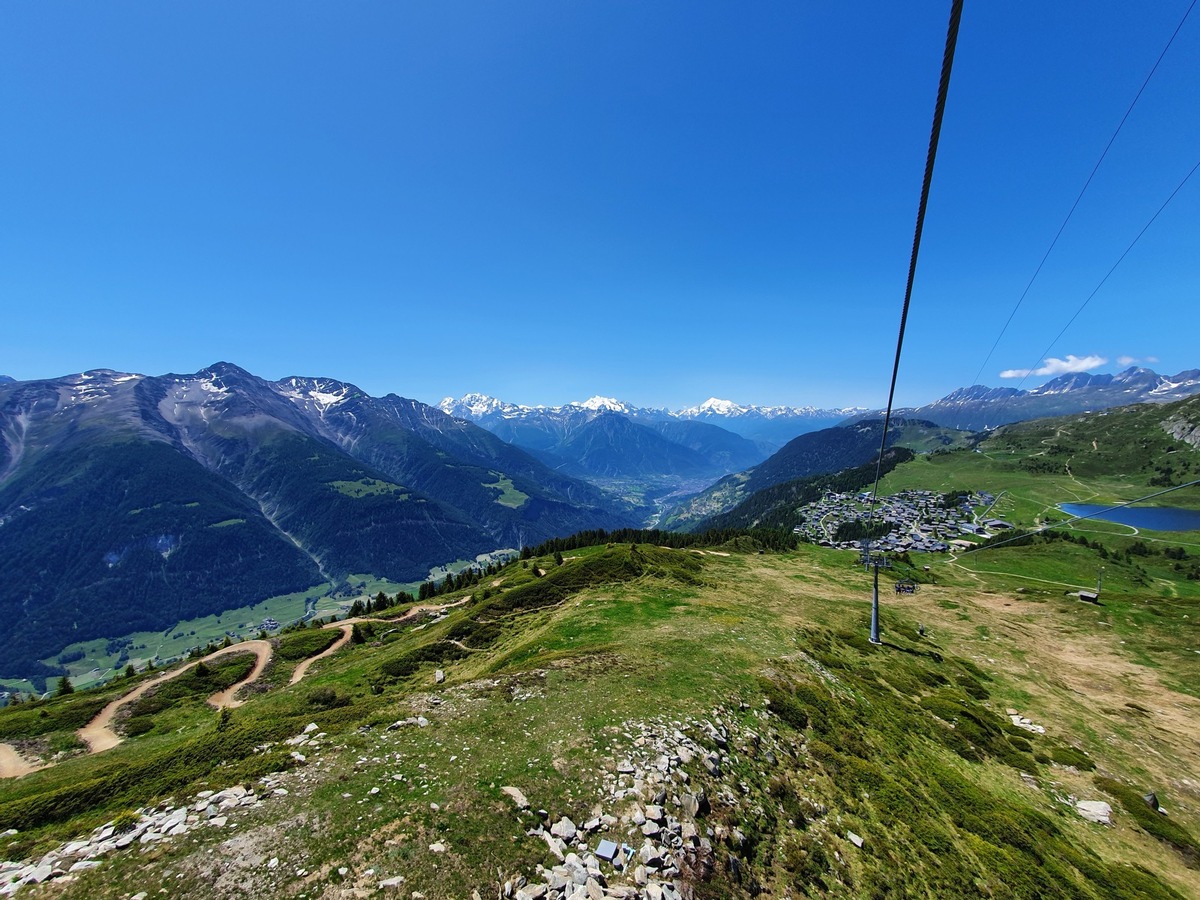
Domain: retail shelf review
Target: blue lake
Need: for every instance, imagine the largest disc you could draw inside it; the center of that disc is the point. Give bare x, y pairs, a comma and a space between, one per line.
1156, 518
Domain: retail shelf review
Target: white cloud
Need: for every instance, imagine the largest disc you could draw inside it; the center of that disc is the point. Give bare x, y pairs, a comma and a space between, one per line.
1053, 366
1133, 360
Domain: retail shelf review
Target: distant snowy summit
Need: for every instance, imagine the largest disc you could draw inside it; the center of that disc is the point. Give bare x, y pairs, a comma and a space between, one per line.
769, 425
477, 406
714, 407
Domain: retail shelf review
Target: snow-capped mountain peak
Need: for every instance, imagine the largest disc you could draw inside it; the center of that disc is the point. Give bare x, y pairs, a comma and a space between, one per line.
598, 403
721, 407
476, 406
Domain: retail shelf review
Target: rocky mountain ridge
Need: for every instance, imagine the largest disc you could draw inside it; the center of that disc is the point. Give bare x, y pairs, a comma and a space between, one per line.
979, 408
160, 498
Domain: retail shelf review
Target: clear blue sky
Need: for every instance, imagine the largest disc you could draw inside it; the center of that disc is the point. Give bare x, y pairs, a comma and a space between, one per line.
548, 200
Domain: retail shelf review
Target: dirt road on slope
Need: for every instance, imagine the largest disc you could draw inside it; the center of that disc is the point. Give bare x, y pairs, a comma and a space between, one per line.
13, 764
98, 733
262, 650
347, 627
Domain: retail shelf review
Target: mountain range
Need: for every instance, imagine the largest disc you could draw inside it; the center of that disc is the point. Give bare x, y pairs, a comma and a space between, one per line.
130, 502
979, 408
770, 427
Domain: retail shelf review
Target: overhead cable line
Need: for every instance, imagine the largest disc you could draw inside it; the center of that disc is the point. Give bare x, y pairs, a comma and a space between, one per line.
1107, 274
934, 135
1082, 191
1101, 512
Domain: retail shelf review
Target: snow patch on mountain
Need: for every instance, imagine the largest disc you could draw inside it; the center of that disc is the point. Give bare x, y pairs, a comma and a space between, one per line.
597, 403
317, 393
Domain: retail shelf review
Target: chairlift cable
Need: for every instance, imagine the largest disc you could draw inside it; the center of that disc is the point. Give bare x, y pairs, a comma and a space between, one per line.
934, 136
1083, 191
1112, 269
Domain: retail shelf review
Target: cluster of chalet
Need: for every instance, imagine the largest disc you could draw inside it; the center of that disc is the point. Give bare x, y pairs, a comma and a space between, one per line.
920, 520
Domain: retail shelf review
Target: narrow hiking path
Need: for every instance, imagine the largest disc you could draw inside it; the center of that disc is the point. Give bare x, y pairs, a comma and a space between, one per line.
347, 628
263, 650
13, 764
99, 736
98, 733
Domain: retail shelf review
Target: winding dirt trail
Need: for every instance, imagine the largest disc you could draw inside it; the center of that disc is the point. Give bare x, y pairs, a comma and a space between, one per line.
302, 669
262, 650
13, 764
98, 733
347, 628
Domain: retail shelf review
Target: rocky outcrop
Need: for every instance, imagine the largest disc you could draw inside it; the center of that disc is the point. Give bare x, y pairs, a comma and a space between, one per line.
1184, 430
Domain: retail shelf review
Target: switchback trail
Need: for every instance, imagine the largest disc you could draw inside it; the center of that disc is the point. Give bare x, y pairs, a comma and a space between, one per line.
302, 669
98, 733
347, 628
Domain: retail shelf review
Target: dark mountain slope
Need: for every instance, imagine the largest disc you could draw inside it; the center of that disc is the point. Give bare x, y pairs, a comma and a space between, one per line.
515, 498
115, 535
818, 452
612, 446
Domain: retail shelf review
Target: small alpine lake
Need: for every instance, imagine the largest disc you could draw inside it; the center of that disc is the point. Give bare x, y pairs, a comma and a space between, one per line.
1154, 518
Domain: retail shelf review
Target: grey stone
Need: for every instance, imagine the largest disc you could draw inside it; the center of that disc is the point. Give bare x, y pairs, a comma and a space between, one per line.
1094, 811
518, 797
650, 855
854, 839
555, 845
439, 676
564, 828
392, 884
39, 874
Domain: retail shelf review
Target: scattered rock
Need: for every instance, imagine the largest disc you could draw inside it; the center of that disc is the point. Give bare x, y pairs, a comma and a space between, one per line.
564, 828
1096, 811
518, 797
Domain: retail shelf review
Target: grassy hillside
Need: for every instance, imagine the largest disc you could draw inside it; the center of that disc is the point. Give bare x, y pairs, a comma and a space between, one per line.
734, 690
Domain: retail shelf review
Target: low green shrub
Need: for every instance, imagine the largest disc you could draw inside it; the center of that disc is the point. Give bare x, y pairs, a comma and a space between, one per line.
1151, 820
1072, 756
302, 644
